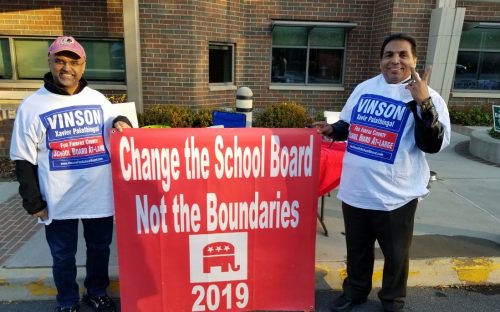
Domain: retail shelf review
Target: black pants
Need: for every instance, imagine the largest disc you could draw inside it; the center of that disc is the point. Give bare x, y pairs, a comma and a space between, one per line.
393, 230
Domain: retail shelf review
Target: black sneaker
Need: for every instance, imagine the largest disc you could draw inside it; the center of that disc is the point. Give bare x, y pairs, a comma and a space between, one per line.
344, 303
72, 309
397, 307
100, 304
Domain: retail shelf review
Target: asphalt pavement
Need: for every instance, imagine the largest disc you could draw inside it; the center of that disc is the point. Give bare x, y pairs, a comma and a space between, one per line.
456, 238
421, 299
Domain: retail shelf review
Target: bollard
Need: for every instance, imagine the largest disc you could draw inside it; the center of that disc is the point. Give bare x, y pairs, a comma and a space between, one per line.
432, 177
244, 104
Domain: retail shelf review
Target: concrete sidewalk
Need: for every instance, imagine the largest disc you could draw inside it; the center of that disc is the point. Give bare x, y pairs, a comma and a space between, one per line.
457, 234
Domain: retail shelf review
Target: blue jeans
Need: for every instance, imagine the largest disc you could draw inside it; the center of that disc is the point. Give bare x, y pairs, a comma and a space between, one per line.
62, 237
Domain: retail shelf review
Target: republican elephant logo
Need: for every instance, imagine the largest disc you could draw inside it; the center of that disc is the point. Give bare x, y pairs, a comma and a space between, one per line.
219, 254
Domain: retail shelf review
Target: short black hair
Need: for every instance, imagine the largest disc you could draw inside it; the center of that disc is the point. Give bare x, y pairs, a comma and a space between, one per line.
400, 36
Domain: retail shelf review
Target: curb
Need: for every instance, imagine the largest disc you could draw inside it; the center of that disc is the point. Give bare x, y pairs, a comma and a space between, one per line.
36, 283
423, 272
482, 145
28, 284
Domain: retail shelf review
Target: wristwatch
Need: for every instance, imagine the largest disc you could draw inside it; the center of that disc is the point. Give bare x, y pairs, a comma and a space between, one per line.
426, 104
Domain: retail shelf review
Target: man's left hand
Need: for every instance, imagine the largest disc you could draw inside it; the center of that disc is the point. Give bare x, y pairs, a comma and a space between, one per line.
418, 87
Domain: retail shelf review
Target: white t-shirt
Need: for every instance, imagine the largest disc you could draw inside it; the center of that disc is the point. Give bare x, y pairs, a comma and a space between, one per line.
383, 168
67, 137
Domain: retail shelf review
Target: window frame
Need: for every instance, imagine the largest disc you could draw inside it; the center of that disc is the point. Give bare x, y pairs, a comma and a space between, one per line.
230, 85
479, 51
12, 59
17, 82
345, 26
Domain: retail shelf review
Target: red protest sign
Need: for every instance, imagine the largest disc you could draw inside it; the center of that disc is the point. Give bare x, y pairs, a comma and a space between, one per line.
216, 219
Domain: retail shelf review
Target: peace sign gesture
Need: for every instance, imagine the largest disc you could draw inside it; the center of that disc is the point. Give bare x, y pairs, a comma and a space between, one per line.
418, 86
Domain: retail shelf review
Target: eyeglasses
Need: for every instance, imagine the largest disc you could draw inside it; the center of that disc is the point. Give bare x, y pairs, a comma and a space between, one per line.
73, 63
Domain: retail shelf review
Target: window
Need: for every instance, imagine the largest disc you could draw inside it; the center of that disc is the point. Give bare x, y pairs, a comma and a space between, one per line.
105, 59
308, 54
31, 58
5, 67
220, 63
478, 61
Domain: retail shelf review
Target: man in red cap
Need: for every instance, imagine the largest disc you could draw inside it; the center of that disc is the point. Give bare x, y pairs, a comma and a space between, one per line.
60, 146
66, 50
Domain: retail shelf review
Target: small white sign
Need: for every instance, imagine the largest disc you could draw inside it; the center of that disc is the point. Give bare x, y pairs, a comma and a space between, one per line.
127, 110
218, 257
496, 117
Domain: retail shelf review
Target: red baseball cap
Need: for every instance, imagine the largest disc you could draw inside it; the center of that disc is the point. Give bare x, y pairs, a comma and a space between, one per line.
67, 43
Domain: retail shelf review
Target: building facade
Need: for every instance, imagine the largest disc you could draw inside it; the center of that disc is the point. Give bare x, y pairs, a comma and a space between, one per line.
198, 53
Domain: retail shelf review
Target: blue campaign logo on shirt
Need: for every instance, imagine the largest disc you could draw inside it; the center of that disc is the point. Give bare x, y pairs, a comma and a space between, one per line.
377, 124
75, 137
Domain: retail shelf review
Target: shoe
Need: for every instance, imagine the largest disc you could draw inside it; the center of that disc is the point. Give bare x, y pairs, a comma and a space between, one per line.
100, 303
398, 309
344, 303
393, 306
72, 309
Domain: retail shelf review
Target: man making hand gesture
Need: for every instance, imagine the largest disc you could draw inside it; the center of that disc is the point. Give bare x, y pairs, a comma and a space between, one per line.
390, 122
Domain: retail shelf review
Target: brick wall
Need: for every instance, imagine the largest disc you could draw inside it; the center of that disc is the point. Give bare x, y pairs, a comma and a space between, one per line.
410, 16
357, 64
180, 77
414, 17
480, 11
80, 18
174, 49
466, 102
